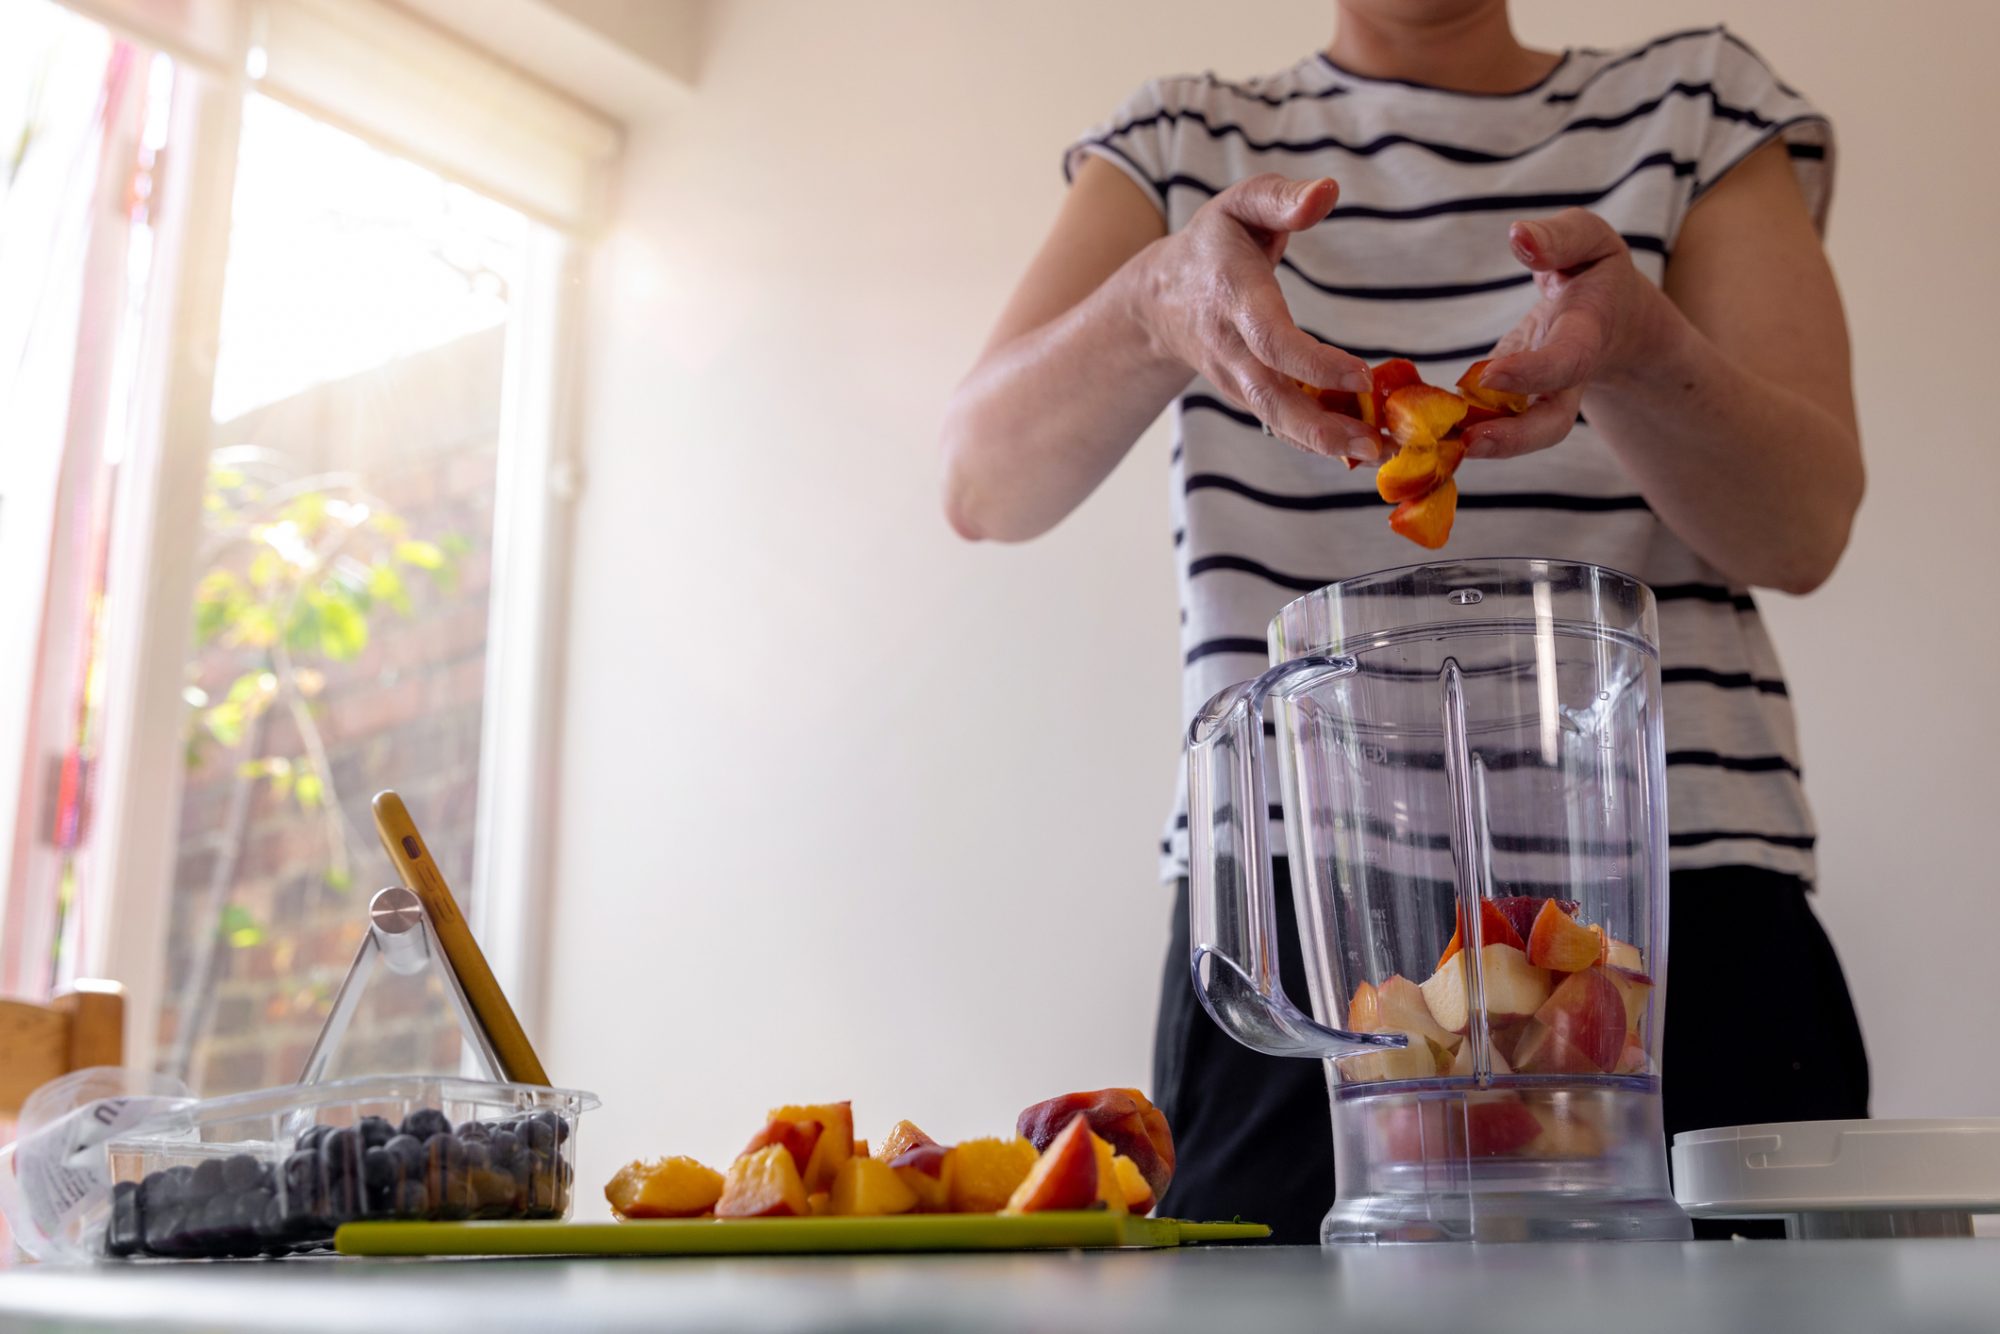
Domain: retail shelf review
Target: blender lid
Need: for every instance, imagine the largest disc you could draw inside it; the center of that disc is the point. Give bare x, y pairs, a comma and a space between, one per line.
1790, 1167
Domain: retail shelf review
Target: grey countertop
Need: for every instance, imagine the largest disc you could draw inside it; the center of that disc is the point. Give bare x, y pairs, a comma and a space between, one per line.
1767, 1287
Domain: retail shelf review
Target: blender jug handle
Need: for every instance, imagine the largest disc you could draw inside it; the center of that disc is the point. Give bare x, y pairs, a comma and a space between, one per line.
1232, 929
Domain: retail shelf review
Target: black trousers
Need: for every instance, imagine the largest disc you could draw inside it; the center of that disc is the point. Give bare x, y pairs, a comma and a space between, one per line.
1759, 1028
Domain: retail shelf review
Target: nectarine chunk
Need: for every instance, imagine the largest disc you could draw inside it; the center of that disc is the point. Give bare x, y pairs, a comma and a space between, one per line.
981, 1174
1138, 1194
902, 1137
1110, 1194
798, 1138
1064, 1177
1427, 519
1473, 385
1585, 1013
664, 1188
1558, 942
1422, 414
1364, 1012
1386, 379
925, 1169
833, 1147
864, 1187
763, 1184
1125, 1118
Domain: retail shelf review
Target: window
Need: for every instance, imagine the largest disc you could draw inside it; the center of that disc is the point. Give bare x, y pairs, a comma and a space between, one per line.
337, 469
341, 589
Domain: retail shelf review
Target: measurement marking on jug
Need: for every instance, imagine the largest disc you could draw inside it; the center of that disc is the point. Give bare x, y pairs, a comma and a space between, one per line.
1466, 597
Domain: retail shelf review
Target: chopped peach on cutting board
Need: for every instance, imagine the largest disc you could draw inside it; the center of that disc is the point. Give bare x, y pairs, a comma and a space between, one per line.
983, 1173
925, 1169
1138, 1192
902, 1137
763, 1183
798, 1138
664, 1188
1124, 1118
835, 1144
864, 1187
1064, 1177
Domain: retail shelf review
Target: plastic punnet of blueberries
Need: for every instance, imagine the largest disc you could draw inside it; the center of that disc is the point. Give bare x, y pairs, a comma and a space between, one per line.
423, 1168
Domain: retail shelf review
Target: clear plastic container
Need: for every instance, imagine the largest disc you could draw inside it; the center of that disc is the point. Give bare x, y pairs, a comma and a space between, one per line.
276, 1171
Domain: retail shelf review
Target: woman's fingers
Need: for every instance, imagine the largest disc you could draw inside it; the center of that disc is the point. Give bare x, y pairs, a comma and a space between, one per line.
1570, 240
1264, 323
1275, 203
1543, 424
1294, 417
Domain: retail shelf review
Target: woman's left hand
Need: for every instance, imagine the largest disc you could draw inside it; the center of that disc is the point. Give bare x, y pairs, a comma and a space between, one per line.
1595, 317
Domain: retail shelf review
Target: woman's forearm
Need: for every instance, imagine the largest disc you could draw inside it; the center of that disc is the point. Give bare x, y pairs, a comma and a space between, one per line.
1046, 415
1758, 479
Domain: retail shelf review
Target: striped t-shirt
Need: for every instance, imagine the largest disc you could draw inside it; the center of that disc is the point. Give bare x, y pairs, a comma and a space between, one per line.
1414, 263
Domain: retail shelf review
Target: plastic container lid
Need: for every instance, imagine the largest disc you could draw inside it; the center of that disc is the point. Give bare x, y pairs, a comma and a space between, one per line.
1791, 1167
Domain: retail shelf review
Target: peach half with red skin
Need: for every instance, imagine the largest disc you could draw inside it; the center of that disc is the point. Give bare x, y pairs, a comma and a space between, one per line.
1124, 1118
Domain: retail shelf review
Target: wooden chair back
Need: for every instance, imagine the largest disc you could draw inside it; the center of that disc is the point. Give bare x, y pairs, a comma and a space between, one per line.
80, 1028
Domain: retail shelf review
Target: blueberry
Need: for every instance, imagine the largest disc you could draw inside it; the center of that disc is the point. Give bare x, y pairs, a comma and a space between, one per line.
374, 1130
241, 1173
503, 1147
476, 1155
310, 1137
473, 1131
160, 1190
405, 1154
426, 1122
538, 1134
218, 1214
558, 1125
303, 1178
164, 1228
341, 1152
123, 1234
206, 1183
379, 1171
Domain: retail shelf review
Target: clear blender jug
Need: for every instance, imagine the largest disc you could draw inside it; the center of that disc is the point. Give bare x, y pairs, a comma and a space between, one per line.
1474, 793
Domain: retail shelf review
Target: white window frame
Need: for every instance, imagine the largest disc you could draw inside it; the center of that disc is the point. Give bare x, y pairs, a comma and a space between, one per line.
416, 92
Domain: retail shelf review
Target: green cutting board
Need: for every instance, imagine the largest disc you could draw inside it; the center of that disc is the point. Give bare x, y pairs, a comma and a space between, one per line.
789, 1236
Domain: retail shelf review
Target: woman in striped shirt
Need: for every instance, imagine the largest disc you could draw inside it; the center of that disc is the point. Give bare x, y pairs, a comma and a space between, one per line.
1634, 237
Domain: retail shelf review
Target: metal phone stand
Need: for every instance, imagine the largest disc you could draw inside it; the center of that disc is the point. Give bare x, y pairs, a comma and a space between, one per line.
400, 938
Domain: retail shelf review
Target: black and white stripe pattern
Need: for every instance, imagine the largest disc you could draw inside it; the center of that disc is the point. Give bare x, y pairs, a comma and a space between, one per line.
1414, 263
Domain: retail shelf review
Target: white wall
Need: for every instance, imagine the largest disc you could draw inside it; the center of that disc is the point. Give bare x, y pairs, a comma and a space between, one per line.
853, 809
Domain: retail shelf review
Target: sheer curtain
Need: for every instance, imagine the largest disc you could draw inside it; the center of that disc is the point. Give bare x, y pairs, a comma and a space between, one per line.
74, 256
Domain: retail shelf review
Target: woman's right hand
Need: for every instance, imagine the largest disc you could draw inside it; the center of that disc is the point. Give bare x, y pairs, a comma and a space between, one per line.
1211, 301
